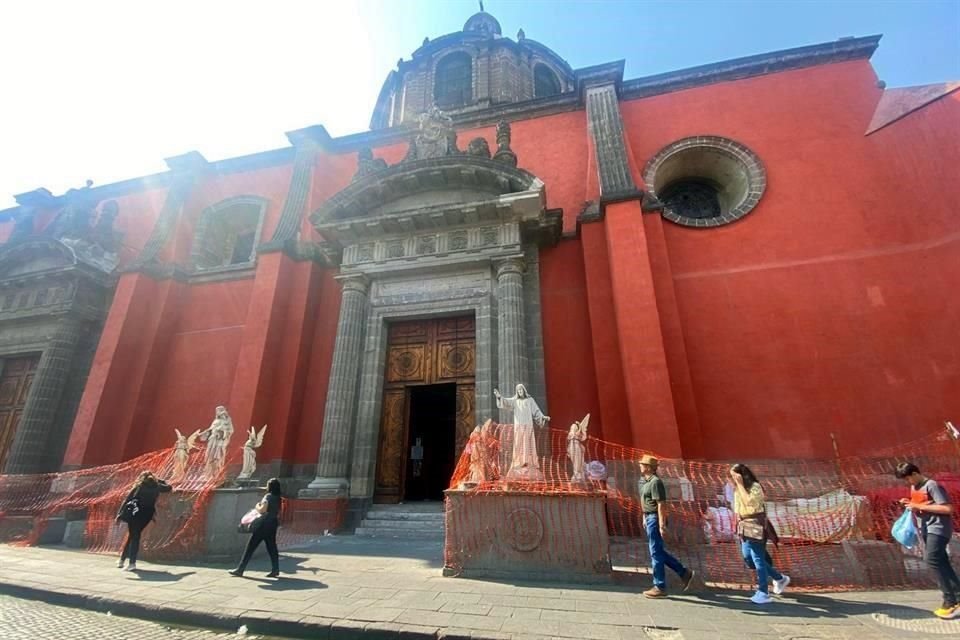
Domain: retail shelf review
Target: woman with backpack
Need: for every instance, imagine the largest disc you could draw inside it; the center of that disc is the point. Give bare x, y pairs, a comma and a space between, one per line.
264, 529
138, 510
754, 530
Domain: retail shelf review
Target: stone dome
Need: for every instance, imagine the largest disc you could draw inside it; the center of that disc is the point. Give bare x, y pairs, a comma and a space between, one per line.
469, 71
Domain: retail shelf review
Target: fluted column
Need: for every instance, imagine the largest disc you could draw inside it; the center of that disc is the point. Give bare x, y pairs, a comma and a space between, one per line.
30, 450
511, 328
334, 458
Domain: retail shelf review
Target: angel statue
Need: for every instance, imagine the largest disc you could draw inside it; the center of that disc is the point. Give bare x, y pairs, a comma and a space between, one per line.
524, 464
217, 436
254, 440
181, 452
575, 449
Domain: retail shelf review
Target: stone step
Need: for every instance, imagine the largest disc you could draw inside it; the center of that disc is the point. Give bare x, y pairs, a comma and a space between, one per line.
402, 524
404, 516
408, 534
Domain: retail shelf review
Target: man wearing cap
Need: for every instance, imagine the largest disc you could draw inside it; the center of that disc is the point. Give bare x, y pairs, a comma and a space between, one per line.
653, 498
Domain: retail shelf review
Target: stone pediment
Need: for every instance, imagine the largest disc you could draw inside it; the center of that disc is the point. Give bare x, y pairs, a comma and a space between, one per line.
35, 256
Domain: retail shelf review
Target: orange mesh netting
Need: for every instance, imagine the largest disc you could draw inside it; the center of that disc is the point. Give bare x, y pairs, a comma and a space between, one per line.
833, 516
31, 507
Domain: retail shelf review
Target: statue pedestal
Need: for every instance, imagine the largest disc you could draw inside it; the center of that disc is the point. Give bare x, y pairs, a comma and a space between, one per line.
227, 505
529, 536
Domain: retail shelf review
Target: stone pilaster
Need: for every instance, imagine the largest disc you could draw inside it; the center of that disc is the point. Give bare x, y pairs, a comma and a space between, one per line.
334, 458
307, 143
29, 452
511, 328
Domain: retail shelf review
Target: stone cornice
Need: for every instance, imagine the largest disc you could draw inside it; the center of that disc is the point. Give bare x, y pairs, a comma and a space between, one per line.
735, 69
750, 66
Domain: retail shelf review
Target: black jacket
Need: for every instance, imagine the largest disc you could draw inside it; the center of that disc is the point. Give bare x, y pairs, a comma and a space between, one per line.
146, 495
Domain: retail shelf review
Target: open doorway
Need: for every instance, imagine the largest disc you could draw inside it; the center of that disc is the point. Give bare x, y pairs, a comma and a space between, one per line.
431, 441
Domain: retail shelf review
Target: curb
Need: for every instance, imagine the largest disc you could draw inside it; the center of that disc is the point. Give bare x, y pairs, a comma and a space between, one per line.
257, 622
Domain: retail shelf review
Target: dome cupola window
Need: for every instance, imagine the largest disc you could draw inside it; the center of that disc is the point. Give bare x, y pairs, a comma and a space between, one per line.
545, 82
453, 81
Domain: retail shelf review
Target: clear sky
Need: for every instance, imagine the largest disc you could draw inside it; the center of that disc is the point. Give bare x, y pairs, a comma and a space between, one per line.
106, 89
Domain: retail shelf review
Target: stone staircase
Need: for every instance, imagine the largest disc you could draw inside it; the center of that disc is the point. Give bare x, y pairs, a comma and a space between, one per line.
412, 521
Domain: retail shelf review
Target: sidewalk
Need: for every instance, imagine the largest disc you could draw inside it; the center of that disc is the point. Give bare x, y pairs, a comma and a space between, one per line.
348, 588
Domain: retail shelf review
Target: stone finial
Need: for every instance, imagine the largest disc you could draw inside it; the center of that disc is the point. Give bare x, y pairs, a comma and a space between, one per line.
521, 35
367, 164
478, 147
504, 153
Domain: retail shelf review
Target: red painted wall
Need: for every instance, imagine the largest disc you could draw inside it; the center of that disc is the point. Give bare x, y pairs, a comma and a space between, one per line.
829, 307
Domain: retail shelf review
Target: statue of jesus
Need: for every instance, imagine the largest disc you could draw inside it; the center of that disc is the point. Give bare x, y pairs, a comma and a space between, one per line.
524, 465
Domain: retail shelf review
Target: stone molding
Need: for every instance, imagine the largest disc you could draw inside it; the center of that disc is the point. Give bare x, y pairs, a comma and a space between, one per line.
748, 163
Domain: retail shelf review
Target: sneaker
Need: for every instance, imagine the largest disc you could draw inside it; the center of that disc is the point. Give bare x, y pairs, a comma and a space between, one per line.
120, 563
273, 574
688, 579
761, 598
236, 572
131, 567
948, 613
655, 592
779, 586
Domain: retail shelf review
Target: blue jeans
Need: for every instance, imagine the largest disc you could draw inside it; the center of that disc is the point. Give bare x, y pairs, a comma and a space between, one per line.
755, 555
658, 555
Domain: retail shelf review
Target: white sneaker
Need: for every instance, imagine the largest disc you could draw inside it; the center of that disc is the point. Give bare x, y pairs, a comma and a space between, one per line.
779, 586
131, 567
120, 564
761, 598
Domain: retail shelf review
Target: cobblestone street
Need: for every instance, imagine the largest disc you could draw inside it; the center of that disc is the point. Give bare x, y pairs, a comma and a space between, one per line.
33, 620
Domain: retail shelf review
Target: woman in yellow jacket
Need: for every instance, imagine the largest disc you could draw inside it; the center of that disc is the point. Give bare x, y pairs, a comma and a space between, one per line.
753, 529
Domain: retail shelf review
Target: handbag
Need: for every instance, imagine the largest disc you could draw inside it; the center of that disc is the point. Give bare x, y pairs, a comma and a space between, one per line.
752, 528
250, 521
129, 510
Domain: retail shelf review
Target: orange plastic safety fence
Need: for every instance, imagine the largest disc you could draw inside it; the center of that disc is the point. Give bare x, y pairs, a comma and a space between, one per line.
833, 516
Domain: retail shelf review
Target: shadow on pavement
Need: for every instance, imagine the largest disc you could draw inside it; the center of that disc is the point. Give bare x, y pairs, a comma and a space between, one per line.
290, 584
802, 605
150, 575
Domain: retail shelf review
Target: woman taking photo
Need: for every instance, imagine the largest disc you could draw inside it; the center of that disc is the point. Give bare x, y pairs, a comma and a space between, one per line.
753, 529
138, 510
265, 530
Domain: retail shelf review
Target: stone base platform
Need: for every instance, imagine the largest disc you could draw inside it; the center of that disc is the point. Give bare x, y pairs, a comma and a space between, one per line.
529, 536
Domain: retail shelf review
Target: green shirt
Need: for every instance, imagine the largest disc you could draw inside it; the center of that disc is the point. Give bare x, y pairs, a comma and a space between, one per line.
651, 492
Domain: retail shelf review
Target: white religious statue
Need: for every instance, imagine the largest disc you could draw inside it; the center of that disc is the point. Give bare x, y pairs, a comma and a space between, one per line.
217, 436
524, 463
254, 440
181, 452
575, 448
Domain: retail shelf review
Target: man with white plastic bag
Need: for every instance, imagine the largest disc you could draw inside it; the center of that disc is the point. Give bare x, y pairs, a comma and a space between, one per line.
931, 504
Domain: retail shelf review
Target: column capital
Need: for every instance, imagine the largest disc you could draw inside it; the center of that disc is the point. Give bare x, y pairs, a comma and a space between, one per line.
511, 265
354, 282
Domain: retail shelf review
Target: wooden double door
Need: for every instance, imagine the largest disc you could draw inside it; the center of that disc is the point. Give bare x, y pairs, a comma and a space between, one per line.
428, 406
15, 379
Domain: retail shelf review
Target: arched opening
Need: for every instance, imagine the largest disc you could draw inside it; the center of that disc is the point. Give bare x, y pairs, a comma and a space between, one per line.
545, 82
453, 81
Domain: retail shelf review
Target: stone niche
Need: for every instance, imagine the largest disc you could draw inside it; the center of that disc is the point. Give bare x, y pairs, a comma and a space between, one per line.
520, 536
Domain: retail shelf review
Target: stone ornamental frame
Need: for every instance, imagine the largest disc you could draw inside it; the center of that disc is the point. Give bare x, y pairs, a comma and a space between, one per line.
747, 163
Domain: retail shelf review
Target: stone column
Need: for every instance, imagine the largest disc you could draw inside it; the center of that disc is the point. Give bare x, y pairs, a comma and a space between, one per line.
511, 328
334, 458
29, 452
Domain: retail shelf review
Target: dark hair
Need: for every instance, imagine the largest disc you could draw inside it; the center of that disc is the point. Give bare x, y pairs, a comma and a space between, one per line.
273, 486
749, 479
146, 478
905, 469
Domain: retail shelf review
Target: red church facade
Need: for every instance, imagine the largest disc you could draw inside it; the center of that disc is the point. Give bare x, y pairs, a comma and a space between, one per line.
732, 261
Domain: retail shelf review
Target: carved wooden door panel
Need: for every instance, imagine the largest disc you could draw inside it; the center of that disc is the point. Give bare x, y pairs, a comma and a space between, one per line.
422, 352
393, 435
15, 383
